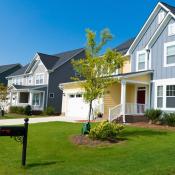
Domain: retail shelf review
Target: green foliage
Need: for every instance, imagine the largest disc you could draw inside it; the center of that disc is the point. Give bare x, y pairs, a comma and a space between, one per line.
153, 115
28, 110
49, 111
95, 69
106, 131
17, 109
168, 119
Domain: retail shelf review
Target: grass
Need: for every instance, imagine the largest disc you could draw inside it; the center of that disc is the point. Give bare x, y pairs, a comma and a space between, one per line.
50, 152
15, 116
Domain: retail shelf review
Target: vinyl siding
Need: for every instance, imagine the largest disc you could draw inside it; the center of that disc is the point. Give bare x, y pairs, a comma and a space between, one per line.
144, 41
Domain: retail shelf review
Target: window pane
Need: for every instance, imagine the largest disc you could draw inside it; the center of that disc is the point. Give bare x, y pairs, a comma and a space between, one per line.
170, 102
141, 66
170, 50
159, 102
141, 57
170, 90
159, 90
171, 59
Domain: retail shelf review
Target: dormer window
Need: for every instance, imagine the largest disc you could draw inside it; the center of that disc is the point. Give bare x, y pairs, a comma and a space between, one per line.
171, 29
141, 61
161, 16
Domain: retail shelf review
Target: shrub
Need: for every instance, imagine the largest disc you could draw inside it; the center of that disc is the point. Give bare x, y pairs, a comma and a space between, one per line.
49, 110
153, 115
28, 110
168, 119
17, 109
106, 131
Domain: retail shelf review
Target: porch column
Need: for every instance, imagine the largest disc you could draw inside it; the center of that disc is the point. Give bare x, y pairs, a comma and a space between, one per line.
18, 96
11, 97
30, 98
123, 98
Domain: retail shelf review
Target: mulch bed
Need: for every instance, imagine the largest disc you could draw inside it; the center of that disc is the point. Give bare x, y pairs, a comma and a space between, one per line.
154, 126
85, 140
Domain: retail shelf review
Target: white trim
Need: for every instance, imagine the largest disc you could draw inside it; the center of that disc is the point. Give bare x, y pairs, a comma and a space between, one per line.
164, 83
159, 30
165, 53
137, 59
146, 25
170, 32
161, 16
39, 74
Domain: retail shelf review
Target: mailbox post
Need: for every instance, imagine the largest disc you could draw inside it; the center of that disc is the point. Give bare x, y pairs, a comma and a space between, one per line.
24, 149
20, 135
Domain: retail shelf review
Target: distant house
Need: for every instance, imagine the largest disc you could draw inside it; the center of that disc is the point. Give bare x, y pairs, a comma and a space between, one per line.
6, 70
36, 84
147, 79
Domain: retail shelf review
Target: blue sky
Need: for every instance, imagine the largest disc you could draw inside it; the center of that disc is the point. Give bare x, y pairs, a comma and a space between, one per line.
53, 26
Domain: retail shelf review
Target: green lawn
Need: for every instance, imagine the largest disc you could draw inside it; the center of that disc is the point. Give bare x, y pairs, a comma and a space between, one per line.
50, 152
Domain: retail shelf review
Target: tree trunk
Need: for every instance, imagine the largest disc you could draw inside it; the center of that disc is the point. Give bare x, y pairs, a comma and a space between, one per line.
90, 109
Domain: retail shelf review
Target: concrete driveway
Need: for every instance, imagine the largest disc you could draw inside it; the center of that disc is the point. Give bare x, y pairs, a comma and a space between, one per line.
34, 120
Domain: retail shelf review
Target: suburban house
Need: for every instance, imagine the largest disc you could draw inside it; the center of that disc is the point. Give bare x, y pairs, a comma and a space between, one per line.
147, 79
36, 84
6, 70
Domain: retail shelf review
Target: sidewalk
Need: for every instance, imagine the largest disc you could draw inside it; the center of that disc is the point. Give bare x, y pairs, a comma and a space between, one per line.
34, 120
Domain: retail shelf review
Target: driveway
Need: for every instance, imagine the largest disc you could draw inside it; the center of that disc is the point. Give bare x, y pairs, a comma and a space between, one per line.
34, 120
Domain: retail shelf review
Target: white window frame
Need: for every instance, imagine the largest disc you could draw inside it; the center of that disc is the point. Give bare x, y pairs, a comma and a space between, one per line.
164, 83
171, 29
52, 94
137, 60
161, 16
35, 101
39, 79
29, 78
166, 45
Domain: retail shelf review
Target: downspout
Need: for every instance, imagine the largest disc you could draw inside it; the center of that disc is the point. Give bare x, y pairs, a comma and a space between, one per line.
148, 58
47, 90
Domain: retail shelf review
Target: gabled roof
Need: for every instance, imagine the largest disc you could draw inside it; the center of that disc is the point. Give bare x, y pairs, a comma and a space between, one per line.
66, 56
171, 8
20, 71
168, 8
48, 60
123, 47
5, 68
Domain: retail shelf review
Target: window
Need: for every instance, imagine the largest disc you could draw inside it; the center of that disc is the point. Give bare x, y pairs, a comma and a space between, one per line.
171, 29
169, 57
159, 96
141, 60
71, 96
39, 79
170, 96
18, 81
51, 95
78, 95
29, 80
161, 16
36, 99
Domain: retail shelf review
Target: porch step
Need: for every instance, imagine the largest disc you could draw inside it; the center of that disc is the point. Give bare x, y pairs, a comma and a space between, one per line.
132, 119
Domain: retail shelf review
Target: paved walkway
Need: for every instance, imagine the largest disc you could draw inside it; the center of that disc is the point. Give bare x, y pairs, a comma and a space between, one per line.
34, 120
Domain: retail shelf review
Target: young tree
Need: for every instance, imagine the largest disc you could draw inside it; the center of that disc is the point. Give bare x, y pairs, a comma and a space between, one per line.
97, 70
3, 93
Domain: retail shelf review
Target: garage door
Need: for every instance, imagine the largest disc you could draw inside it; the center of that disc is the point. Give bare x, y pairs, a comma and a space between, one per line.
77, 108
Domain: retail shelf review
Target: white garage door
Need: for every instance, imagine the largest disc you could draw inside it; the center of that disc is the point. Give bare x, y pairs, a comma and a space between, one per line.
77, 108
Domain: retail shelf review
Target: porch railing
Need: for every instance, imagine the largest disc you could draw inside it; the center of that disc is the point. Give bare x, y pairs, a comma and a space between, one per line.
115, 112
130, 109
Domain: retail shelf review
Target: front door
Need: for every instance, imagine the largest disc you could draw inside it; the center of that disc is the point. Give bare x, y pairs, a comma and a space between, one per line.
141, 93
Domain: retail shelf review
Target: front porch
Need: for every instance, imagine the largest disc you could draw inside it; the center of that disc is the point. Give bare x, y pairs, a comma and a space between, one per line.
132, 98
23, 97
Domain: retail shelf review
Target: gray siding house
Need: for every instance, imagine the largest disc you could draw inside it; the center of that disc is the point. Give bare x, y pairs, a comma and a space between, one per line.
154, 50
36, 84
6, 70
